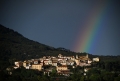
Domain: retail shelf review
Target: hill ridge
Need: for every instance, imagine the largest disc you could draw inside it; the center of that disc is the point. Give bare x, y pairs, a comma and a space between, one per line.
21, 47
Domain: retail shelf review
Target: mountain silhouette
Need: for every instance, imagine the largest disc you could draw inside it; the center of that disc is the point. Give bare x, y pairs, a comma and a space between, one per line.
16, 46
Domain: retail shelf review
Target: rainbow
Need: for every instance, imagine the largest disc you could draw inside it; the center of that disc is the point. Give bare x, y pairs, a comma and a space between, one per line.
86, 38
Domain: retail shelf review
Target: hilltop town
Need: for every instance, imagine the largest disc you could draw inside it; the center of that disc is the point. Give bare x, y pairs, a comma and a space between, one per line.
23, 59
59, 63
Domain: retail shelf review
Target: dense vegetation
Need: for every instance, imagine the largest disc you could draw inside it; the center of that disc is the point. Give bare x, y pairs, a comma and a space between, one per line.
22, 48
99, 71
14, 46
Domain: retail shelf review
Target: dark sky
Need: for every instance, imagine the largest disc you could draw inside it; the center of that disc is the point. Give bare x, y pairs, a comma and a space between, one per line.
59, 23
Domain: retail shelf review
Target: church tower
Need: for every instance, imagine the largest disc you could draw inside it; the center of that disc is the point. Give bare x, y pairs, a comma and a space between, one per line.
86, 55
76, 56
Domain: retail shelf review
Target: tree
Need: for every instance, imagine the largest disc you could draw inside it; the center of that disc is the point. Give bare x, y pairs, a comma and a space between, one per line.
117, 78
108, 76
95, 77
53, 73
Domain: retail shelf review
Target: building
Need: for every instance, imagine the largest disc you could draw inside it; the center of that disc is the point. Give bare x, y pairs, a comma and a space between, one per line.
60, 56
47, 62
27, 64
18, 64
77, 62
36, 66
96, 59
54, 61
62, 68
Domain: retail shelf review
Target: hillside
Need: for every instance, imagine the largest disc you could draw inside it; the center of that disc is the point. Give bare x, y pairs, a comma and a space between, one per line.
16, 46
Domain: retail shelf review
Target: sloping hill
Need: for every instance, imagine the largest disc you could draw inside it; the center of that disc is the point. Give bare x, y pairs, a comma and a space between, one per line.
16, 46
